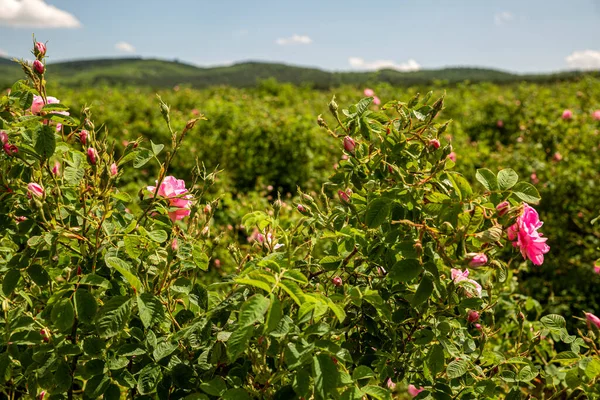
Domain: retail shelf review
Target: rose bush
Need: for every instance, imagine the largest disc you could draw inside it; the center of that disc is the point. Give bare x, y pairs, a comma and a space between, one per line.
398, 277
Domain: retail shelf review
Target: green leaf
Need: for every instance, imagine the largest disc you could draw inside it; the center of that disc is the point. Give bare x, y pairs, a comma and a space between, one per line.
592, 369
125, 270
38, 274
325, 375
159, 236
526, 374
553, 322
423, 291
436, 359
156, 148
527, 192
487, 179
253, 310
73, 175
457, 368
566, 357
163, 349
337, 310
142, 157
86, 306
113, 316
44, 141
200, 257
362, 372
26, 100
10, 281
63, 315
405, 270
62, 119
55, 107
95, 387
151, 309
112, 392
295, 276
377, 392
238, 342
507, 179
148, 379
236, 394
274, 315
133, 246
377, 212
293, 290
215, 387
95, 280
462, 185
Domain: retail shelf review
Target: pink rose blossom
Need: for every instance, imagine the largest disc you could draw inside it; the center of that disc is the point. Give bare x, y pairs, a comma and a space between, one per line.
349, 144
38, 103
174, 190
3, 137
452, 156
35, 189
460, 276
113, 169
567, 114
376, 100
369, 92
413, 391
593, 319
596, 115
524, 234
478, 260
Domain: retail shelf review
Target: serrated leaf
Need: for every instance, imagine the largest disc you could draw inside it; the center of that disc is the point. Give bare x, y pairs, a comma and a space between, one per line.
142, 157
377, 212
238, 342
44, 141
149, 378
553, 322
126, 270
325, 375
253, 310
435, 359
86, 306
377, 392
62, 119
293, 290
10, 281
158, 236
457, 368
113, 316
151, 309
566, 357
507, 178
362, 372
63, 315
526, 192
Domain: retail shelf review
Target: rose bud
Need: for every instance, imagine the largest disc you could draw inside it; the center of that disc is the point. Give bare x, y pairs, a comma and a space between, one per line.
3, 137
10, 149
83, 136
593, 319
337, 281
217, 263
92, 155
502, 208
349, 144
113, 169
174, 244
596, 115
38, 67
478, 327
35, 189
207, 209
344, 196
567, 114
452, 156
472, 316
56, 168
39, 49
477, 260
434, 143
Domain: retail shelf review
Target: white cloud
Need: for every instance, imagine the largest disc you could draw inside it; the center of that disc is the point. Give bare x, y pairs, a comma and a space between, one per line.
125, 47
360, 63
3, 53
503, 18
584, 60
294, 39
35, 14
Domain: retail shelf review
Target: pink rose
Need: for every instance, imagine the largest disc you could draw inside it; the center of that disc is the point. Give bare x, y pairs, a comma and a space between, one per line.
390, 384
567, 114
344, 196
524, 234
500, 123
35, 189
460, 276
38, 103
369, 92
452, 156
376, 100
174, 190
413, 391
534, 179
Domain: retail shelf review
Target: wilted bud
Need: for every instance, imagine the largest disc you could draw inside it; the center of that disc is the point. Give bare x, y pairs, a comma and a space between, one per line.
472, 316
113, 169
301, 208
83, 135
333, 107
502, 208
349, 144
92, 155
35, 189
434, 143
206, 231
39, 49
38, 67
89, 124
322, 122
190, 124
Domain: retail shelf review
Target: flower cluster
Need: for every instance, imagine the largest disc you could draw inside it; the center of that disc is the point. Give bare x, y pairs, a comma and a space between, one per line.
174, 190
524, 234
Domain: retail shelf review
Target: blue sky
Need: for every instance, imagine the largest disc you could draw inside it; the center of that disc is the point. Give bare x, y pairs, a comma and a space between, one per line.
519, 36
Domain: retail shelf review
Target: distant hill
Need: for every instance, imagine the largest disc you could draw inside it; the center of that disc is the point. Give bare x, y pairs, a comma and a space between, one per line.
161, 74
